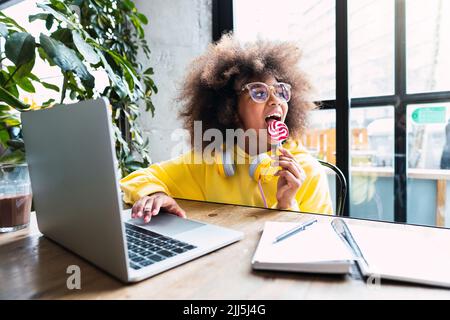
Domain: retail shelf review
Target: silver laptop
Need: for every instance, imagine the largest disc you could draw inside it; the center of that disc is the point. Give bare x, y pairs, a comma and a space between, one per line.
74, 178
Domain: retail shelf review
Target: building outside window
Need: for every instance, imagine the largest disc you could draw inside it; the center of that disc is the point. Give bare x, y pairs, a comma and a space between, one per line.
372, 77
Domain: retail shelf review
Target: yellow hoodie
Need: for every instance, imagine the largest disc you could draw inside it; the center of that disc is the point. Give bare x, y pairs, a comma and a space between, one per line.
182, 178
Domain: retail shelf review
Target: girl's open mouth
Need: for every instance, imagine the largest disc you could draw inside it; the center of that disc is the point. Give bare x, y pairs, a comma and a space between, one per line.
272, 117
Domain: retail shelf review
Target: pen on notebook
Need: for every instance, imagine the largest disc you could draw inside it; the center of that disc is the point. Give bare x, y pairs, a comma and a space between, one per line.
293, 231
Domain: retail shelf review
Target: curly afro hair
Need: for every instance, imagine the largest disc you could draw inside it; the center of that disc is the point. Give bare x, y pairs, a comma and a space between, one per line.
209, 92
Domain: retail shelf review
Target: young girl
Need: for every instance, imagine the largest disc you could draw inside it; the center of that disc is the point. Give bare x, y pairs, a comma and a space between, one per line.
247, 87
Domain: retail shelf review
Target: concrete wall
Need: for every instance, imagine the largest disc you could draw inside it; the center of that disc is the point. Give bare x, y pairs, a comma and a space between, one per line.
178, 31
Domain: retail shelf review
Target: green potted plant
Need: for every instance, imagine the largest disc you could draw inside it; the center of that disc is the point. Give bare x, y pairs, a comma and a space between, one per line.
17, 57
83, 35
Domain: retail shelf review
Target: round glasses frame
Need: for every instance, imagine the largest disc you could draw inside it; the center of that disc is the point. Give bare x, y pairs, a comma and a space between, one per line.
269, 90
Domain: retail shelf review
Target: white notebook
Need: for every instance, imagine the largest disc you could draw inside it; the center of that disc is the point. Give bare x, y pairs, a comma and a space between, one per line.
410, 254
317, 249
404, 253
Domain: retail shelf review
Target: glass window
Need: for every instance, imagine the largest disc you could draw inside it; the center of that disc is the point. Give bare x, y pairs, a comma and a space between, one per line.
371, 46
20, 12
372, 163
320, 141
42, 69
428, 45
428, 164
310, 23
320, 138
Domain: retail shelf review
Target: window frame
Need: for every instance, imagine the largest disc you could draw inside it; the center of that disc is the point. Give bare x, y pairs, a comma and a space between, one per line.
7, 3
222, 20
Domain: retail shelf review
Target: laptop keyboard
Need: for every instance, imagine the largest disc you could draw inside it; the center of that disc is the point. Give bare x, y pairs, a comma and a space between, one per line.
147, 247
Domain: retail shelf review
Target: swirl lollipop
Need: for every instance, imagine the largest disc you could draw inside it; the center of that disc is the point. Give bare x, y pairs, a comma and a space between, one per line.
278, 131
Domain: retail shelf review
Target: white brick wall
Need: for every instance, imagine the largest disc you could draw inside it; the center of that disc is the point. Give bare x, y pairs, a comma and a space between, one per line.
178, 31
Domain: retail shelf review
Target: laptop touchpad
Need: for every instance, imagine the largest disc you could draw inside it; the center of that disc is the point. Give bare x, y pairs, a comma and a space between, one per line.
167, 223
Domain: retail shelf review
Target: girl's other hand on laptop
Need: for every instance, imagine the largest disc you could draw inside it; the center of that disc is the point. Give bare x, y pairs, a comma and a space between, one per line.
149, 206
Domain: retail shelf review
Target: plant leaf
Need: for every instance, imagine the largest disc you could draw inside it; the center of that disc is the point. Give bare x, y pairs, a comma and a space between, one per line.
129, 71
39, 16
24, 70
14, 157
149, 71
13, 90
66, 59
3, 30
64, 35
142, 18
12, 101
50, 86
9, 120
16, 144
4, 137
20, 48
85, 49
10, 22
120, 86
56, 14
129, 5
26, 85
49, 22
48, 103
134, 165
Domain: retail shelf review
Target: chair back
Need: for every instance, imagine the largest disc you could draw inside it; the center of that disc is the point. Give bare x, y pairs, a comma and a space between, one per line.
341, 192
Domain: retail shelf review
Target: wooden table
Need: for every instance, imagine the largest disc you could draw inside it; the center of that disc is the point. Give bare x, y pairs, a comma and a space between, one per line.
33, 267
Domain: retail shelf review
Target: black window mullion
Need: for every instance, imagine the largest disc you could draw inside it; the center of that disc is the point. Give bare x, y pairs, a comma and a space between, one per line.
400, 159
342, 96
373, 101
222, 17
429, 97
326, 104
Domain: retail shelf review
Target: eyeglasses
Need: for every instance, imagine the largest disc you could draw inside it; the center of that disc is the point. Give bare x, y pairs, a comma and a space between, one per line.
260, 92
